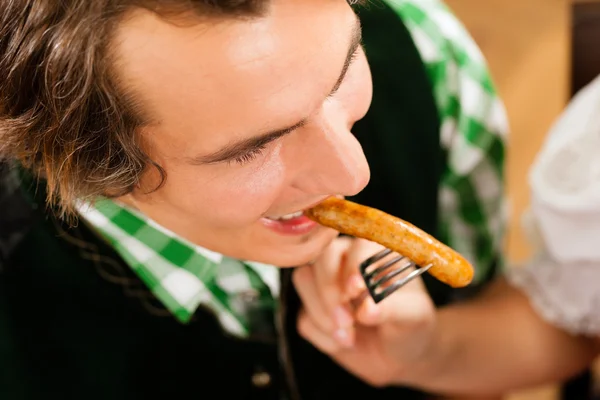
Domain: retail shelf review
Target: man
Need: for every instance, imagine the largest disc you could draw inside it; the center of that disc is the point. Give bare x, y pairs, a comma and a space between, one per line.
186, 138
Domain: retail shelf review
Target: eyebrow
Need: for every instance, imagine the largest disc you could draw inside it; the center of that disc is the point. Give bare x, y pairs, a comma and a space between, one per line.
237, 149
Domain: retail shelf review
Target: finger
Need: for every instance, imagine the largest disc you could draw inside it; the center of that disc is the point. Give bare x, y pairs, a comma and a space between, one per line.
410, 305
304, 282
321, 340
360, 250
329, 285
367, 313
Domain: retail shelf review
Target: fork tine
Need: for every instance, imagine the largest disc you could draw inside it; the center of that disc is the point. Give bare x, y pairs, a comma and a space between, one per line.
389, 276
373, 259
382, 268
377, 297
374, 288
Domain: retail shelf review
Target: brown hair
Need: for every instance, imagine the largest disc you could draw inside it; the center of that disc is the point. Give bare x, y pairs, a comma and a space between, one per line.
61, 113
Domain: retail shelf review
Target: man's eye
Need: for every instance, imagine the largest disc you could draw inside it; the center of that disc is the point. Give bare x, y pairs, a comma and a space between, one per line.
350, 64
250, 155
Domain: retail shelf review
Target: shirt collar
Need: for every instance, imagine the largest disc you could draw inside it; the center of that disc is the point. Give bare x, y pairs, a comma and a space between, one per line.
182, 275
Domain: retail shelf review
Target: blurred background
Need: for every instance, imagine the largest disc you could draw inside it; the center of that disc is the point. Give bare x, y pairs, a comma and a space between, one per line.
540, 52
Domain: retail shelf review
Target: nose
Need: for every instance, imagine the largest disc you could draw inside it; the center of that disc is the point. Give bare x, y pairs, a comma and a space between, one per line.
333, 159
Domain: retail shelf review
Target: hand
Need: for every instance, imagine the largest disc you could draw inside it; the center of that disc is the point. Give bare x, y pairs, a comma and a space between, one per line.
376, 342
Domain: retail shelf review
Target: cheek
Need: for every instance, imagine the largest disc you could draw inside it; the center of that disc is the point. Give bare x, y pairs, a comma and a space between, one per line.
230, 195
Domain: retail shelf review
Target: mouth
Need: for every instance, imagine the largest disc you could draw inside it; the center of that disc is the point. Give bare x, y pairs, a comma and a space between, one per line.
294, 223
296, 214
287, 217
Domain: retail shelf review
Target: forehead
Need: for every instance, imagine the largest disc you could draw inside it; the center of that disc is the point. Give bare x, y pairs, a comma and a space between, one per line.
234, 76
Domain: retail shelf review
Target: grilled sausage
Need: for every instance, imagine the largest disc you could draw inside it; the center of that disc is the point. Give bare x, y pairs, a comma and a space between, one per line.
397, 235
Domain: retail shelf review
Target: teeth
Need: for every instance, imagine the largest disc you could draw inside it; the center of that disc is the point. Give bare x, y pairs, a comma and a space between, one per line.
290, 216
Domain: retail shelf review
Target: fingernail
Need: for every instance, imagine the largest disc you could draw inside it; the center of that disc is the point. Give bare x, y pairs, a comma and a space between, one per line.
373, 312
343, 337
342, 317
356, 283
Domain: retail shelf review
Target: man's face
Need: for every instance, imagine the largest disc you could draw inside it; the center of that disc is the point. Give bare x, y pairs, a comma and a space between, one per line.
253, 120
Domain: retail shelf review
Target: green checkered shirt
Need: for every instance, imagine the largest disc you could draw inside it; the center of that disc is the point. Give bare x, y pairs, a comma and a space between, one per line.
474, 129
184, 276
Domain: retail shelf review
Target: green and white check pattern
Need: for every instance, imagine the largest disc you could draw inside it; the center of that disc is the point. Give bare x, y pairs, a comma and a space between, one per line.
184, 276
180, 274
474, 131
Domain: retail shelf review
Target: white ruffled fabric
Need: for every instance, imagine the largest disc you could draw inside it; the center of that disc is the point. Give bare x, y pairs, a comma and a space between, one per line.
563, 279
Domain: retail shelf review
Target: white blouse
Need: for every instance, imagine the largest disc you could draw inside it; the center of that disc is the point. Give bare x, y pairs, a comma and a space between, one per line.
563, 279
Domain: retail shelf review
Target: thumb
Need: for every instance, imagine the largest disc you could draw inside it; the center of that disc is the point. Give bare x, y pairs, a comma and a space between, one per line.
357, 254
409, 306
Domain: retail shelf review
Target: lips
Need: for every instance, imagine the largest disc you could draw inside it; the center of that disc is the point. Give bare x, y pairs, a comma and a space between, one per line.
296, 214
291, 224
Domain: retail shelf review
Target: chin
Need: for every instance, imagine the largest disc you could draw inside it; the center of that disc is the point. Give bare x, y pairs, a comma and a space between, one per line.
288, 255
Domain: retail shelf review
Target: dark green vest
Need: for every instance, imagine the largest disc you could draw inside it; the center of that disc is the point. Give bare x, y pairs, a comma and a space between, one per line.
76, 323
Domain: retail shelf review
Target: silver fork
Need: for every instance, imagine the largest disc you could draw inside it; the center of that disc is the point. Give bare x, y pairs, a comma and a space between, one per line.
381, 284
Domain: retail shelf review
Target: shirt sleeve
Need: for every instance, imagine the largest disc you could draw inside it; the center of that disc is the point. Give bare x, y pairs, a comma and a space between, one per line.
474, 130
563, 222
